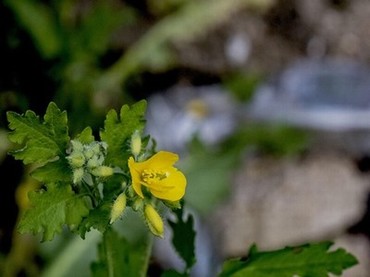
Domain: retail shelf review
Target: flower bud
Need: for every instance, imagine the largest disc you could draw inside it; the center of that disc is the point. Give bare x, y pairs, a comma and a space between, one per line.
95, 148
137, 204
88, 152
78, 174
76, 159
118, 207
136, 143
102, 171
77, 146
154, 221
93, 162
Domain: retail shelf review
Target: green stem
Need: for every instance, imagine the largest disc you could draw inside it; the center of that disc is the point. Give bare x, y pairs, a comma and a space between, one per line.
148, 254
90, 193
109, 258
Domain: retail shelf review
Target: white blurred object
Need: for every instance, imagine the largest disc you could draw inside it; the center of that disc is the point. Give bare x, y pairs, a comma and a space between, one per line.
238, 48
173, 118
330, 96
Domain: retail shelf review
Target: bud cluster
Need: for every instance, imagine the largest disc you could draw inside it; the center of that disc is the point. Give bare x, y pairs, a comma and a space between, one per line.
88, 158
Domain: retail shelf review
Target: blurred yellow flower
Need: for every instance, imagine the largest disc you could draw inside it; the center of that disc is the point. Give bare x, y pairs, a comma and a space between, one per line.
158, 175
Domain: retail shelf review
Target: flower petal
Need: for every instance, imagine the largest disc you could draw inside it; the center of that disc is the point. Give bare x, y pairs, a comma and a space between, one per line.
161, 160
136, 176
172, 188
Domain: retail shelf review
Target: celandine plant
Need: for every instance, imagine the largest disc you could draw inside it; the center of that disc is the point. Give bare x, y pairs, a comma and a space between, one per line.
89, 183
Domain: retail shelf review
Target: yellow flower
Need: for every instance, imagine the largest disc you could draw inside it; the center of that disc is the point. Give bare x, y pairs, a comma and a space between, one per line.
158, 174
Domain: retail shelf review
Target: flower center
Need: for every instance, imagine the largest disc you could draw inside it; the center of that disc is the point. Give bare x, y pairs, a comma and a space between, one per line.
150, 176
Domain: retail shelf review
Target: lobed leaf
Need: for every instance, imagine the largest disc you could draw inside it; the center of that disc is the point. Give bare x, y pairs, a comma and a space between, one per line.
118, 130
184, 237
53, 172
51, 209
41, 140
306, 260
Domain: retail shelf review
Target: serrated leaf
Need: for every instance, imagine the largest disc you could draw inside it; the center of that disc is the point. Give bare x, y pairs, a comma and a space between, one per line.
118, 129
184, 237
117, 257
306, 260
41, 140
53, 172
51, 209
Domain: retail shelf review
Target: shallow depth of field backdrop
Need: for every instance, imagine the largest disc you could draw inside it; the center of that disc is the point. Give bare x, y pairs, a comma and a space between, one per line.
267, 103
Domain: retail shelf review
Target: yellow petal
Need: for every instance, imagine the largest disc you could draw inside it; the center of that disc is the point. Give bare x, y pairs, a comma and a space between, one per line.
172, 188
136, 176
161, 160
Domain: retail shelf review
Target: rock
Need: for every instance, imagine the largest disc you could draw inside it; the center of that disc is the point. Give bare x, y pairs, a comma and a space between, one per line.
279, 202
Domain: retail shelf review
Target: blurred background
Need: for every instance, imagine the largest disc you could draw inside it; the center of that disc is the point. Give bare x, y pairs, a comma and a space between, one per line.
267, 103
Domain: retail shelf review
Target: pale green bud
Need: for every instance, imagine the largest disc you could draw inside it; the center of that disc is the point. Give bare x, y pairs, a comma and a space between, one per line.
77, 146
95, 148
78, 174
102, 171
118, 207
76, 159
123, 184
138, 204
89, 152
136, 143
93, 162
154, 221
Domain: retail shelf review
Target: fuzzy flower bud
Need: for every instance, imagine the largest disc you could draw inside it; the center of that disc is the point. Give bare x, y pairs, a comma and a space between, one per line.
89, 153
118, 207
76, 159
137, 204
136, 143
102, 171
93, 162
154, 221
78, 174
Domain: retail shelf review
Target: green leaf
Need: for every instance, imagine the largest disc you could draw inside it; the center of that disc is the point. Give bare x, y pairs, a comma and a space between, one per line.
53, 172
51, 209
38, 19
98, 219
86, 136
117, 257
118, 130
42, 141
205, 169
184, 237
306, 260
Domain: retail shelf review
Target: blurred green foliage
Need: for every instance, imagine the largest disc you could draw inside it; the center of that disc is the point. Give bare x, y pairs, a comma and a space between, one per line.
242, 85
91, 64
210, 170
